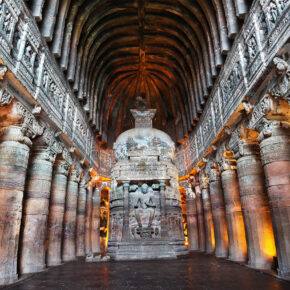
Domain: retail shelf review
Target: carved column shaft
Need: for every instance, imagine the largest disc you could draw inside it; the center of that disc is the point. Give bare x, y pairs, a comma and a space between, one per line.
191, 216
69, 232
96, 222
163, 210
125, 231
56, 213
88, 221
275, 154
200, 219
14, 155
219, 215
235, 220
208, 220
81, 211
257, 219
36, 205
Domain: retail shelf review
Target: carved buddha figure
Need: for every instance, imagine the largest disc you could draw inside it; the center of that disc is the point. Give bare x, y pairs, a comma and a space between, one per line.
144, 208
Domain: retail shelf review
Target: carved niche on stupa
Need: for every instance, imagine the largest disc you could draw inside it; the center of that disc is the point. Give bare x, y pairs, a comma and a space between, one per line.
145, 207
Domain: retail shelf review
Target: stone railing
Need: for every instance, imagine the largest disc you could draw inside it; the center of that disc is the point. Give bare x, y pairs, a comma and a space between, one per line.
264, 33
34, 69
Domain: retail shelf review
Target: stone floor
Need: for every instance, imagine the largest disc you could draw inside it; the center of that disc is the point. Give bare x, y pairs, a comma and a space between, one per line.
199, 271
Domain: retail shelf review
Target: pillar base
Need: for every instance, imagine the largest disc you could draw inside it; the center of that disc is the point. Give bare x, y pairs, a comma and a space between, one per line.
81, 255
68, 259
284, 274
54, 263
221, 255
209, 251
33, 269
261, 266
239, 259
8, 279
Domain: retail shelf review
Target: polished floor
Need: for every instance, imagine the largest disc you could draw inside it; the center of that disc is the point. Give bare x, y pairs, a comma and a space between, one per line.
199, 271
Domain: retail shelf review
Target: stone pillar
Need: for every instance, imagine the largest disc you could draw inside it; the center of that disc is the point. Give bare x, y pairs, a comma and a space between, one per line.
69, 231
234, 215
208, 221
125, 231
36, 205
271, 117
200, 217
163, 209
191, 217
81, 211
88, 221
258, 224
56, 213
96, 222
218, 212
15, 144
275, 153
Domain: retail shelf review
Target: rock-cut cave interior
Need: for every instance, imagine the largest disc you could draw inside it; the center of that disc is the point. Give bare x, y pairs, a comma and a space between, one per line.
145, 144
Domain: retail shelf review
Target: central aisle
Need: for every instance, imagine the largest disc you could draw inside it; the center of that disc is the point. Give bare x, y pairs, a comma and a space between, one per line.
199, 271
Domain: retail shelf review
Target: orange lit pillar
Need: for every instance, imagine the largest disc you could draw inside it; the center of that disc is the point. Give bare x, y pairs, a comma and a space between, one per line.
218, 211
255, 205
200, 217
275, 153
208, 221
235, 220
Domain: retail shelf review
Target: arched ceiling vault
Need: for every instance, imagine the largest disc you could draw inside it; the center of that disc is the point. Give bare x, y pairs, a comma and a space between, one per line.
168, 51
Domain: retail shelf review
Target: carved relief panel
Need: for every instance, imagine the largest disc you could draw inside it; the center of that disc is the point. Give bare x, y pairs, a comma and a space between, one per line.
144, 216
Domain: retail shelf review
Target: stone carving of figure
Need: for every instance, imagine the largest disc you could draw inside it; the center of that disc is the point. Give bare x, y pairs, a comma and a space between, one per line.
252, 47
7, 21
272, 13
145, 207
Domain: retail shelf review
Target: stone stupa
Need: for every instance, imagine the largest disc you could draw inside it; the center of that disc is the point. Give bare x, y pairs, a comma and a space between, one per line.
145, 206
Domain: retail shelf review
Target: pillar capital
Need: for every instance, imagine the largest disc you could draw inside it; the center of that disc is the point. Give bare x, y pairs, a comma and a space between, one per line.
273, 128
204, 184
243, 141
212, 171
18, 123
225, 159
62, 167
74, 175
126, 184
85, 180
190, 193
162, 185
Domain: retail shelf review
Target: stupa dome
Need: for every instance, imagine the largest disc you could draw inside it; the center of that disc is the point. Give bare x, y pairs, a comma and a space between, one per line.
144, 139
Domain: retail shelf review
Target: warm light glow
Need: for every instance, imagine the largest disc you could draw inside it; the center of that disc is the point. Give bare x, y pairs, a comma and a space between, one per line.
183, 177
212, 236
186, 242
101, 179
268, 244
108, 223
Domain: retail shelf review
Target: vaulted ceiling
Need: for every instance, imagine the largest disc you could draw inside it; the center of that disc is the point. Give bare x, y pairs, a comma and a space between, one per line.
168, 51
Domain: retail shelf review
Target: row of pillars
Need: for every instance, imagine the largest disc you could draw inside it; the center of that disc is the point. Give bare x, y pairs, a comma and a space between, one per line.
239, 208
49, 213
